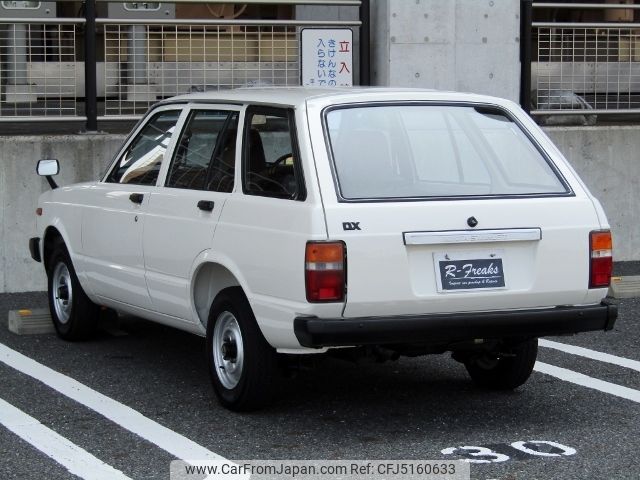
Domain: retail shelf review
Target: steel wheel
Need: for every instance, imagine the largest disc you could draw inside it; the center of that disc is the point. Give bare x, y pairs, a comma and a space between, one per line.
243, 367
62, 292
73, 314
228, 350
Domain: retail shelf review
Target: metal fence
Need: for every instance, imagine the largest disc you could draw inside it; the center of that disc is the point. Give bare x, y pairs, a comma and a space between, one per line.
146, 62
115, 68
39, 71
585, 68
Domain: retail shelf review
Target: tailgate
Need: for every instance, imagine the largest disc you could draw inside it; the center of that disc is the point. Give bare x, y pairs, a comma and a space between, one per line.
423, 257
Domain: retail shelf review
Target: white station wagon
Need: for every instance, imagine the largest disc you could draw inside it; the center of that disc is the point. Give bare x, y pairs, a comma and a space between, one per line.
279, 222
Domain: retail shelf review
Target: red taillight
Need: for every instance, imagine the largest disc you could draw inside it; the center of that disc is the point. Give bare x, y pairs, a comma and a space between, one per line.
601, 266
324, 271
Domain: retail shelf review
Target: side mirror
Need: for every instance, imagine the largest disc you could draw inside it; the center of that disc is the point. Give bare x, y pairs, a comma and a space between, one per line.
47, 168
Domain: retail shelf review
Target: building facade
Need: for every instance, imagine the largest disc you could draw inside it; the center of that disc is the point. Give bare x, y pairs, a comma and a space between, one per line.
575, 69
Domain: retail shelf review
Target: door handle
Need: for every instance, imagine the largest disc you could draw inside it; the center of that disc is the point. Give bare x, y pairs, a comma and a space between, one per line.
206, 205
136, 197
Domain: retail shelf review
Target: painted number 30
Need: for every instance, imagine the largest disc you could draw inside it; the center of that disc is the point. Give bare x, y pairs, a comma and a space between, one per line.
539, 448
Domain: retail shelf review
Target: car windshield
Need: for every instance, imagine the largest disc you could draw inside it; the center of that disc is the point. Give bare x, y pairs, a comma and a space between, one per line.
417, 151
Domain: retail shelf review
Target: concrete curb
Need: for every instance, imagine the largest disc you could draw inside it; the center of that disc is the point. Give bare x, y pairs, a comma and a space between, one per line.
30, 322
38, 321
625, 287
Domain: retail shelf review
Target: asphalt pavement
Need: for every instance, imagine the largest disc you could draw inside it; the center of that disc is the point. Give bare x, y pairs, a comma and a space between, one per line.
580, 420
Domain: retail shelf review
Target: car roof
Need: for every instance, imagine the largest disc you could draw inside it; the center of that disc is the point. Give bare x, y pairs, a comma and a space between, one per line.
295, 96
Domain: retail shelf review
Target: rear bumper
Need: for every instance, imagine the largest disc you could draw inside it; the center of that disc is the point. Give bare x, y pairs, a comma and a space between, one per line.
454, 327
34, 248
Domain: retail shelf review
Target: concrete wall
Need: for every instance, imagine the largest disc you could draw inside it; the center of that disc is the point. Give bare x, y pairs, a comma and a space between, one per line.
607, 159
82, 157
463, 45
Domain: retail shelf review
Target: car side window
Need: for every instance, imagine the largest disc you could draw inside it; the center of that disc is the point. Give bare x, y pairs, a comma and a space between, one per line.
204, 157
140, 163
271, 164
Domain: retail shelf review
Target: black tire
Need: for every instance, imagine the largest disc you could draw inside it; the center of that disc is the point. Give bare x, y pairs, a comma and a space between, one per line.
75, 319
253, 385
506, 372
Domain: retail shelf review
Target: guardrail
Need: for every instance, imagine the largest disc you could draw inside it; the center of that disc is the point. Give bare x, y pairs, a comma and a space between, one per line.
584, 68
114, 68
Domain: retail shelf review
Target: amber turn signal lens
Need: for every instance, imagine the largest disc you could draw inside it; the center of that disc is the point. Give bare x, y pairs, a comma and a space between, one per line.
601, 241
324, 252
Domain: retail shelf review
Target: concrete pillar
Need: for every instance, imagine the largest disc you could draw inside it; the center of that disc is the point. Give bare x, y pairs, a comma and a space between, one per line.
138, 55
463, 45
17, 54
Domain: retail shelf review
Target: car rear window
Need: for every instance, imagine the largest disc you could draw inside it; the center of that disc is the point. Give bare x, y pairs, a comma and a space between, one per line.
417, 151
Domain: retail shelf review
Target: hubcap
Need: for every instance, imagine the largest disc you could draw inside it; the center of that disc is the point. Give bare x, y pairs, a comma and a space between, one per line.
62, 292
228, 351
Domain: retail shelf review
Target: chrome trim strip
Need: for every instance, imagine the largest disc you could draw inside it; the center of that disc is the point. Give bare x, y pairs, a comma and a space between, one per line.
472, 236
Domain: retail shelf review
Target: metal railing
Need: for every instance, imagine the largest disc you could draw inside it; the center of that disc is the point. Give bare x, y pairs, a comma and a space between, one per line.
585, 68
114, 68
39, 69
144, 62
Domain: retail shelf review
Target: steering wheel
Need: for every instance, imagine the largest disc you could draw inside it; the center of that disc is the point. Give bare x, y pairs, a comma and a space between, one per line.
266, 184
282, 158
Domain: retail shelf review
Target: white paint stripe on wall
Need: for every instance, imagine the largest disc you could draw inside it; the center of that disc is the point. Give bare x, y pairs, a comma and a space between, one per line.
76, 460
128, 418
592, 354
589, 382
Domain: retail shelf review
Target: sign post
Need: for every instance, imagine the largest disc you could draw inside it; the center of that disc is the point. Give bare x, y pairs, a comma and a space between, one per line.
327, 57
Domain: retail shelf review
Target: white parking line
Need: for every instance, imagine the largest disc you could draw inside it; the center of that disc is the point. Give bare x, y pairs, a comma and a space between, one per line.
592, 354
589, 382
128, 418
76, 460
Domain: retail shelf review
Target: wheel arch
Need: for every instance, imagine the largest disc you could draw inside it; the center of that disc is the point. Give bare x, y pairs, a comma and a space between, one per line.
209, 279
51, 235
